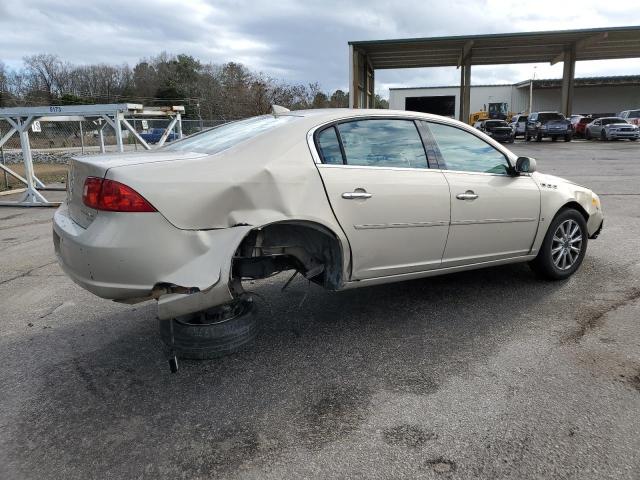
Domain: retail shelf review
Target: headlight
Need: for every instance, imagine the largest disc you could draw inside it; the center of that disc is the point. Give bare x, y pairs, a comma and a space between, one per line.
595, 200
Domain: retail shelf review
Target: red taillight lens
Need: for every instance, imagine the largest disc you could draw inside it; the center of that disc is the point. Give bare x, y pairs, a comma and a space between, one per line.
105, 194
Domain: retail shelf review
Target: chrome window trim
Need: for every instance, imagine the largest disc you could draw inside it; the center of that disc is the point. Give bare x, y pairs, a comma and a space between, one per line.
413, 169
510, 156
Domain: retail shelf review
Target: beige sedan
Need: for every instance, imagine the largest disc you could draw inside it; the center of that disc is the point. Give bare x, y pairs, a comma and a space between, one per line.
346, 198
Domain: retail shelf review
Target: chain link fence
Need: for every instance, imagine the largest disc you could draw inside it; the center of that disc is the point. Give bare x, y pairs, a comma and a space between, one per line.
56, 142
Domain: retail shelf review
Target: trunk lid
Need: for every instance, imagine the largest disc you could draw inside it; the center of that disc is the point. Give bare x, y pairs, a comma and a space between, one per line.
97, 166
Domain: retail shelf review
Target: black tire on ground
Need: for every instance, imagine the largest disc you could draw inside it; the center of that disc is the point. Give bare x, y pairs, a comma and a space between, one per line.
554, 139
526, 137
543, 264
539, 137
587, 134
567, 138
213, 333
603, 136
633, 139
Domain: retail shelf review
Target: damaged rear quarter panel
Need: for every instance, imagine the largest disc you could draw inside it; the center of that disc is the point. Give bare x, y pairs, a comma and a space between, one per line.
267, 179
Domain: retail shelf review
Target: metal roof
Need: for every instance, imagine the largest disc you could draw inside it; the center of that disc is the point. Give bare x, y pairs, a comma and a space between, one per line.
503, 48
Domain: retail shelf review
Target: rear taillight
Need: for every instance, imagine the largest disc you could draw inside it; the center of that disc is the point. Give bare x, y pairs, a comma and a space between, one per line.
105, 194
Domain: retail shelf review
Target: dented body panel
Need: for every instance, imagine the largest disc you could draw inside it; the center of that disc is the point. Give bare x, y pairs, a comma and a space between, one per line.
267, 197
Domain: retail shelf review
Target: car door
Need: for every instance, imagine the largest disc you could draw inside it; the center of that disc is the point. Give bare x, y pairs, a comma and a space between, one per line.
595, 128
530, 126
494, 214
392, 207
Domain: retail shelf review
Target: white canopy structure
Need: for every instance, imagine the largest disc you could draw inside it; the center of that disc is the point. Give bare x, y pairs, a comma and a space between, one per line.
20, 120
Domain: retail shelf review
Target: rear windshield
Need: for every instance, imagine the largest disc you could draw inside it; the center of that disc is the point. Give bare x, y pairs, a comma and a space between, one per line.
228, 135
545, 117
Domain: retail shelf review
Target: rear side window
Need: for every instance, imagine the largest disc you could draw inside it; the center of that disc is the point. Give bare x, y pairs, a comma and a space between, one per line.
463, 151
633, 114
329, 146
228, 135
382, 143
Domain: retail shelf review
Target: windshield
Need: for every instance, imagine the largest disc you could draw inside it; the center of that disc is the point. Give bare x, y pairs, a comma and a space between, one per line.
228, 135
545, 117
607, 121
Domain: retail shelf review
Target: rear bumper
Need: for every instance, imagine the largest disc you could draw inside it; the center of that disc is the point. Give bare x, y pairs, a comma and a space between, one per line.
123, 256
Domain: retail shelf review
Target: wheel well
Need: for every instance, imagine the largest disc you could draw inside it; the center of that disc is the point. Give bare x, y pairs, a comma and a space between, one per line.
307, 247
575, 206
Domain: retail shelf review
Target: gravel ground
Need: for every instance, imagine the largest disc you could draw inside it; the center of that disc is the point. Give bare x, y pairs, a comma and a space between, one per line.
488, 374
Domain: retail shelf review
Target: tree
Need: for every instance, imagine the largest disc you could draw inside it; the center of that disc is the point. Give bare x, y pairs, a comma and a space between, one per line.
45, 72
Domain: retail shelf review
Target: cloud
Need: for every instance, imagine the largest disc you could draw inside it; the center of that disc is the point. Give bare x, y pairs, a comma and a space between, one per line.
292, 40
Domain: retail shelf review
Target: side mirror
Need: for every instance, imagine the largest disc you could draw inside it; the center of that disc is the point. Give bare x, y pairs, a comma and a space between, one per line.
525, 165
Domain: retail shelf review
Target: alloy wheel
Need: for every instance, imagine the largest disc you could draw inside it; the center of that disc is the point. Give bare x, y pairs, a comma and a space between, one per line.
566, 244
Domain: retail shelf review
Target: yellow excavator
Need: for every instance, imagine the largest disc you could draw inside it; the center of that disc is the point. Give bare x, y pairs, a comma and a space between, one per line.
498, 111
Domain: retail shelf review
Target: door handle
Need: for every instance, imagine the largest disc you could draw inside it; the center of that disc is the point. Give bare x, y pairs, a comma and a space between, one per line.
356, 195
468, 195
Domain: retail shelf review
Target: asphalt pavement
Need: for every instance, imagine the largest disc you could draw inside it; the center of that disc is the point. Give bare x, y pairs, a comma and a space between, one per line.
491, 374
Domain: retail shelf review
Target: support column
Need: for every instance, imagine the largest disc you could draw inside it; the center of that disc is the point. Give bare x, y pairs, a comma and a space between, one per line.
353, 82
465, 92
31, 195
568, 75
118, 128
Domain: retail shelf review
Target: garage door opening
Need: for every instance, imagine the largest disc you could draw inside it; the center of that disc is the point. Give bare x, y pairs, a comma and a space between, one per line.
444, 105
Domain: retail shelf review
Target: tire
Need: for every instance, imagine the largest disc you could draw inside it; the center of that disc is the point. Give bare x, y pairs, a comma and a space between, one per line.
587, 134
559, 264
539, 137
554, 139
633, 139
527, 138
212, 333
567, 138
603, 136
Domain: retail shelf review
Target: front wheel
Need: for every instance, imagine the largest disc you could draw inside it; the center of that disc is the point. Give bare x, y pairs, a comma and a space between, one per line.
539, 137
564, 246
567, 138
603, 136
587, 134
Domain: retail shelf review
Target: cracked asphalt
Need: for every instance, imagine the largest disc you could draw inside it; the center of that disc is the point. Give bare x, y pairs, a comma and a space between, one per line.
488, 374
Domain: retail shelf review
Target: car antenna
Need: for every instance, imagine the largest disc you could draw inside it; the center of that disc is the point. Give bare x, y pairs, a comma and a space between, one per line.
277, 109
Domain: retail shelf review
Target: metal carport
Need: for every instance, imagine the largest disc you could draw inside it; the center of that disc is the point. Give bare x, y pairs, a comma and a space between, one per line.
566, 46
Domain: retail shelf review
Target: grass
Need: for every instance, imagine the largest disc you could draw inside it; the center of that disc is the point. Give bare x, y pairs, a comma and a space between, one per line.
47, 172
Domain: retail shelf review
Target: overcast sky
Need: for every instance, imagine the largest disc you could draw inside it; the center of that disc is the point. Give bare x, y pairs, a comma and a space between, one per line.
297, 41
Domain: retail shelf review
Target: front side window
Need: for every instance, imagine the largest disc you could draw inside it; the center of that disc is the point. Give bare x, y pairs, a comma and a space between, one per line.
382, 143
462, 151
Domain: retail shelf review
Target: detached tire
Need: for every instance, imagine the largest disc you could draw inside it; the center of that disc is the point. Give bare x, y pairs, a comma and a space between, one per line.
564, 246
212, 333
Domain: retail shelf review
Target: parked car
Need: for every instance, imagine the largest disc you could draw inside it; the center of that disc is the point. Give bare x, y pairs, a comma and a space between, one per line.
335, 195
154, 135
548, 125
580, 126
611, 128
631, 116
499, 130
519, 124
